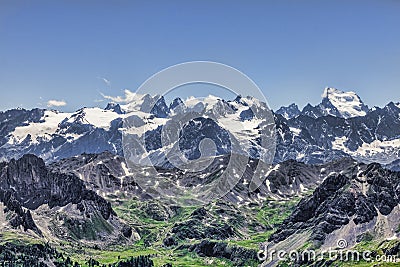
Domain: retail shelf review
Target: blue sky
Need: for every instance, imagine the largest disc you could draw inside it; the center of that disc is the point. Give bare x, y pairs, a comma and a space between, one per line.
60, 50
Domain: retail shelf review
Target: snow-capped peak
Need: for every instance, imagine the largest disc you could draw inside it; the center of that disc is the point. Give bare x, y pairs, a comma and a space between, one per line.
347, 104
98, 117
138, 102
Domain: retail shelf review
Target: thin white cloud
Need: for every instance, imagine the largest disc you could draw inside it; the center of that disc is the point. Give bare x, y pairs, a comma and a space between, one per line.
128, 97
106, 81
56, 103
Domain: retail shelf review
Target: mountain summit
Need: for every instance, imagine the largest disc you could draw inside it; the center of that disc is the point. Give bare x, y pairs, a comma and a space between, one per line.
289, 112
334, 102
342, 104
338, 104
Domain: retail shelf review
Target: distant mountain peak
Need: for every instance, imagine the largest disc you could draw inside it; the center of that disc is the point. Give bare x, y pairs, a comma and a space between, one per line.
289, 112
328, 91
160, 108
334, 102
114, 107
342, 104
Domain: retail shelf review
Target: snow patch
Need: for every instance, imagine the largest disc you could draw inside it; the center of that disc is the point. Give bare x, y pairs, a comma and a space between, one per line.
44, 129
275, 168
268, 183
294, 130
370, 151
98, 117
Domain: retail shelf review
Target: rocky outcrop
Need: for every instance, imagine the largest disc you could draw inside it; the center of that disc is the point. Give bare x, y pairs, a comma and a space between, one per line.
357, 194
32, 185
19, 216
27, 184
105, 172
289, 112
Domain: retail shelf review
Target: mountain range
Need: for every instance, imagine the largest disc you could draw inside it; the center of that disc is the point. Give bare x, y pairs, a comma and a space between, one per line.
341, 125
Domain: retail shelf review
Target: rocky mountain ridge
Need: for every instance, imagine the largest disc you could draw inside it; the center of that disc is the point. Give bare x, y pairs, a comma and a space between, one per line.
316, 134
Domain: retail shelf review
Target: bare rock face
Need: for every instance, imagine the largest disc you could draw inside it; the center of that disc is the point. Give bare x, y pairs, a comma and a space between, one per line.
105, 172
289, 112
357, 196
27, 185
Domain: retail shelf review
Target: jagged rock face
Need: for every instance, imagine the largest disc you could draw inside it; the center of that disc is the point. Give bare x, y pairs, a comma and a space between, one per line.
105, 173
357, 195
371, 138
289, 112
160, 108
33, 185
176, 103
198, 129
284, 180
28, 185
114, 107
